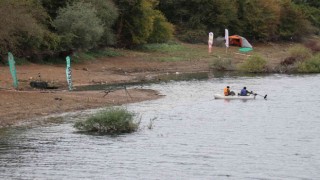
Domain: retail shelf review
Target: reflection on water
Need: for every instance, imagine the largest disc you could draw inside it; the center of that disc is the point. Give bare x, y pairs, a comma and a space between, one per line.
194, 136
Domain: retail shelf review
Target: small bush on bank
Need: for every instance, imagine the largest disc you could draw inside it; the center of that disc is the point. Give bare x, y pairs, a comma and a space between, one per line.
221, 64
285, 68
109, 121
299, 52
311, 65
254, 64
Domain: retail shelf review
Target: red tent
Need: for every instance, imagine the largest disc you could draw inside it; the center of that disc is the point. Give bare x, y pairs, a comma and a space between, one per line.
239, 41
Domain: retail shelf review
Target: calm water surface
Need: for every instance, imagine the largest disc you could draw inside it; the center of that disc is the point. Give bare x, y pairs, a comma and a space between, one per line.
193, 136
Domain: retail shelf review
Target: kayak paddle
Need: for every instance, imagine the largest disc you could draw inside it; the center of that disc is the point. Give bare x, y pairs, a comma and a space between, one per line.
264, 97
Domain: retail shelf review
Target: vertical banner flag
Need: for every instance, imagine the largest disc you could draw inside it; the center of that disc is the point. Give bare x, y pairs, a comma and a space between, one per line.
68, 73
13, 70
210, 41
226, 37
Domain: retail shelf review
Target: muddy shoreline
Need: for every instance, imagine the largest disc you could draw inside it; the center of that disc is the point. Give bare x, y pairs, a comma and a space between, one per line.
135, 67
18, 106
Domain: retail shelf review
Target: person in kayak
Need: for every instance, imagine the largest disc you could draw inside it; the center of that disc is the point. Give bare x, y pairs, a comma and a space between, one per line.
227, 92
244, 92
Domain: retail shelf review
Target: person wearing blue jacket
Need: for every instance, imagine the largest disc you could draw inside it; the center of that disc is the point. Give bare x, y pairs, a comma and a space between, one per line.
244, 92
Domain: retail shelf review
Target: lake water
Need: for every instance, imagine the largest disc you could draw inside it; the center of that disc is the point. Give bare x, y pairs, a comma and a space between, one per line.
193, 136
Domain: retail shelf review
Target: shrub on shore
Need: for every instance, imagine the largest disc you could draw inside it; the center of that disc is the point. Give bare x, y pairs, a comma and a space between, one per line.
254, 64
311, 65
299, 52
109, 121
297, 55
221, 64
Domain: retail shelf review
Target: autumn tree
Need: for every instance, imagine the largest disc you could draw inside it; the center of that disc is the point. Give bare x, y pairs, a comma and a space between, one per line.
23, 28
162, 30
311, 9
136, 21
260, 19
293, 23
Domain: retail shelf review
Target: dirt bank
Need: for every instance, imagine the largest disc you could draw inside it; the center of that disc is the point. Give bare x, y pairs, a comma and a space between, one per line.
26, 103
17, 106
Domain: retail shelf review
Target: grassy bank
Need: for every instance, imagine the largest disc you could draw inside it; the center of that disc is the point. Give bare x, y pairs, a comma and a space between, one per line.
265, 58
282, 57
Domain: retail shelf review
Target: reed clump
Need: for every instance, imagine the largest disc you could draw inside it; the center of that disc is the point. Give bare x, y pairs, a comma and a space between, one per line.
111, 121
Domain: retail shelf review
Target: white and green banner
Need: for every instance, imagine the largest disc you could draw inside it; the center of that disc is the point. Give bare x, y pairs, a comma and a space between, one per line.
68, 73
13, 69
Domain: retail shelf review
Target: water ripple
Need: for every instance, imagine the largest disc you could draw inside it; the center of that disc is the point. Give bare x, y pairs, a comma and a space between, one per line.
194, 137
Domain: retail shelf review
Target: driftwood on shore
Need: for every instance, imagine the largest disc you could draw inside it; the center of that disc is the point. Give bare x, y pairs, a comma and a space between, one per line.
41, 85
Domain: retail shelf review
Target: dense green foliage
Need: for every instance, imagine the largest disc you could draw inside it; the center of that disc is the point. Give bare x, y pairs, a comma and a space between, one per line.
254, 19
162, 30
254, 64
139, 23
294, 25
108, 14
79, 26
109, 121
52, 6
260, 19
48, 26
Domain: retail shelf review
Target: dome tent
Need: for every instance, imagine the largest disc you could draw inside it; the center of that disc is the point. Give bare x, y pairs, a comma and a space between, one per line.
239, 41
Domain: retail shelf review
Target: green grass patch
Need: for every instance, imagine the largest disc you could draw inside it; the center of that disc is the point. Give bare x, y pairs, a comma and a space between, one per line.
254, 64
311, 65
94, 54
110, 52
175, 52
109, 121
165, 47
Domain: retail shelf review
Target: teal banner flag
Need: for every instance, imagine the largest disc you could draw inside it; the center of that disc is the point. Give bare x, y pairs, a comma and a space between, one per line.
13, 69
68, 73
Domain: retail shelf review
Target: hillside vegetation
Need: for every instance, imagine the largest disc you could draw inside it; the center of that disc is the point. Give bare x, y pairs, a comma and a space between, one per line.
41, 29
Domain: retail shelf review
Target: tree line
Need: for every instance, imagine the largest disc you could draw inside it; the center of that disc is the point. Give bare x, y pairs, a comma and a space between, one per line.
35, 27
